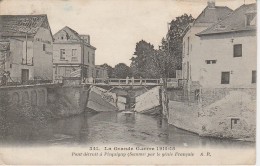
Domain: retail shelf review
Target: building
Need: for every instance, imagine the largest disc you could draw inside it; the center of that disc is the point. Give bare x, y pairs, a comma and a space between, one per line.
192, 59
73, 55
229, 50
26, 47
101, 72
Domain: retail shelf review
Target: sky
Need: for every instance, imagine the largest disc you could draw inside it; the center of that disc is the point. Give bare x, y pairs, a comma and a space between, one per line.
114, 26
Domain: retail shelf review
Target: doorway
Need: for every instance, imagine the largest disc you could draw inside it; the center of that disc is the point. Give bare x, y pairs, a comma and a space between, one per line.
25, 75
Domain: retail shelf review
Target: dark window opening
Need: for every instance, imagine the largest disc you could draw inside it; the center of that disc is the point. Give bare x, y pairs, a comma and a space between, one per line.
88, 58
225, 77
253, 76
249, 19
62, 54
43, 47
188, 51
211, 61
237, 50
234, 121
11, 65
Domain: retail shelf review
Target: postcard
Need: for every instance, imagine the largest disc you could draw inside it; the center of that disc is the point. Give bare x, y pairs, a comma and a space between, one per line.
112, 82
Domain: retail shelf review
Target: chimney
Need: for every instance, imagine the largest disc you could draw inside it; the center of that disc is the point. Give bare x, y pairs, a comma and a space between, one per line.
211, 3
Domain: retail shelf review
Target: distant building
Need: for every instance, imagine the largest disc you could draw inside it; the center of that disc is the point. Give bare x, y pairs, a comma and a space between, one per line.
101, 72
26, 47
228, 50
73, 55
192, 58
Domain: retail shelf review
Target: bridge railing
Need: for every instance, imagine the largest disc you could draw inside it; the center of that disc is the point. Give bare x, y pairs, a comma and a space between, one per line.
116, 81
17, 81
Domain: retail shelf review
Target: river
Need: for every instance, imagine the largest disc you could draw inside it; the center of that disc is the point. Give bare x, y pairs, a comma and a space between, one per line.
109, 128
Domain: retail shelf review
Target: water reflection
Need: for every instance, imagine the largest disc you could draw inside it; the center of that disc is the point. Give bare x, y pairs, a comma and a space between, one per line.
122, 128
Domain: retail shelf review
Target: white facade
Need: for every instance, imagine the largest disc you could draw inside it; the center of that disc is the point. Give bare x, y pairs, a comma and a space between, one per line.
30, 52
191, 54
221, 49
73, 56
222, 54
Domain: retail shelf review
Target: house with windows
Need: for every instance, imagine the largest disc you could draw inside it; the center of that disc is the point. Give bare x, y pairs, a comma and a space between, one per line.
228, 50
192, 58
26, 47
101, 72
73, 55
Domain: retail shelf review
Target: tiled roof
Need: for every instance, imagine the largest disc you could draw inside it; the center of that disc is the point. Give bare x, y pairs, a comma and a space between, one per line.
19, 25
233, 22
213, 15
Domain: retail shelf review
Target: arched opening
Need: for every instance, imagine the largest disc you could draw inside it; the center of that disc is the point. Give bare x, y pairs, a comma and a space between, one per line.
41, 96
25, 97
34, 97
15, 98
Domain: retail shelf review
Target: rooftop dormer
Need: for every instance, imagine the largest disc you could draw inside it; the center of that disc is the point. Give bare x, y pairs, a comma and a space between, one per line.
250, 18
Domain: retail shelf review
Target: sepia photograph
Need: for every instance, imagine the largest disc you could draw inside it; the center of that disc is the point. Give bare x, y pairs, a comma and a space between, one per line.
119, 82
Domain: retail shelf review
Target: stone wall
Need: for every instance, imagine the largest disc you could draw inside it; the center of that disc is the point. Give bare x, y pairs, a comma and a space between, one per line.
57, 100
33, 95
219, 112
184, 115
228, 113
66, 101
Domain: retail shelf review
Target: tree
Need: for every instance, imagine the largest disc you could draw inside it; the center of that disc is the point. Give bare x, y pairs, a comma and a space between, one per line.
172, 45
121, 70
141, 64
110, 70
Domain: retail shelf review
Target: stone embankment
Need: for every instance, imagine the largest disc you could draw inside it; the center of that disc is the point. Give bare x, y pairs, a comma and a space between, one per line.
222, 113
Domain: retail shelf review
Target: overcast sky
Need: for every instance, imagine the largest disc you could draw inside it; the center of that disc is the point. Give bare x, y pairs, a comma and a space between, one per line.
114, 26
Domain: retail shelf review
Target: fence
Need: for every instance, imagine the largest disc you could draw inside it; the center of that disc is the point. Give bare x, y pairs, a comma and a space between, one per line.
15, 81
116, 81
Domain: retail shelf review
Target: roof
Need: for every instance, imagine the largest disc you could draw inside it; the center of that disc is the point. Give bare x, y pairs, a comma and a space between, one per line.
76, 35
233, 22
20, 25
212, 15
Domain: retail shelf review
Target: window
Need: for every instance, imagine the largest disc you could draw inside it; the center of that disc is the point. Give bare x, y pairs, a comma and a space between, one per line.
67, 71
183, 49
74, 59
225, 77
211, 61
237, 50
234, 122
43, 47
74, 52
253, 77
11, 65
88, 57
250, 19
62, 54
188, 51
